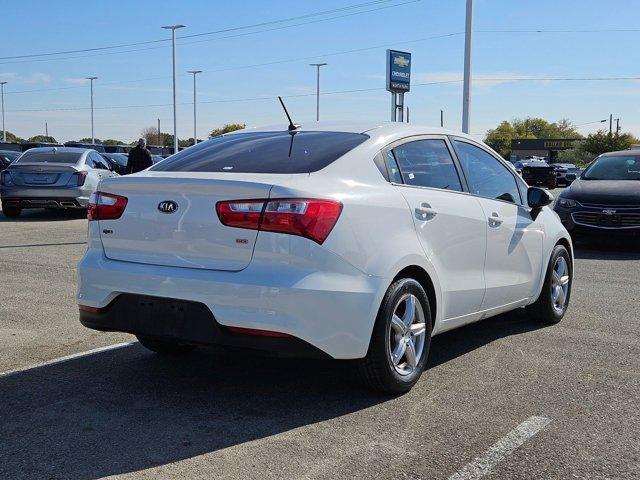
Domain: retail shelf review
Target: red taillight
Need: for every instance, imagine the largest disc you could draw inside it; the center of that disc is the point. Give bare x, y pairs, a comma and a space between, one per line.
306, 217
106, 206
80, 178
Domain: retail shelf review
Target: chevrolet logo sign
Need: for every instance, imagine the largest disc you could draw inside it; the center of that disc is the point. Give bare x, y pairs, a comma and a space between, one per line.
401, 61
608, 211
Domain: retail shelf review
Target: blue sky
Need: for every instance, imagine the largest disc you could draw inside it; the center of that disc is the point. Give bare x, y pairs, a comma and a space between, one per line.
234, 68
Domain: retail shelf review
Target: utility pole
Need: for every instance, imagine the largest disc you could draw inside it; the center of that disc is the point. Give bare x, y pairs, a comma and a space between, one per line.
173, 29
46, 128
91, 79
407, 114
4, 131
441, 118
617, 126
610, 123
317, 65
466, 94
159, 134
195, 135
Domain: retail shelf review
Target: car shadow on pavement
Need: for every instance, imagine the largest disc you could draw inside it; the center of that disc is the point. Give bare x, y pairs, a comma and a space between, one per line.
127, 410
607, 248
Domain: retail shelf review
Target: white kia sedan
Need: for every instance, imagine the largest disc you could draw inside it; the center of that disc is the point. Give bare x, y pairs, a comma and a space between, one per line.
336, 241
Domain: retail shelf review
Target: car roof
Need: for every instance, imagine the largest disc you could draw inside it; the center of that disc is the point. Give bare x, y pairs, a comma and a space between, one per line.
59, 150
621, 153
374, 130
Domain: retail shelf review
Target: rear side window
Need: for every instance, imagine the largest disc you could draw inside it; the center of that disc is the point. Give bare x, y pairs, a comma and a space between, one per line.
264, 152
427, 163
49, 157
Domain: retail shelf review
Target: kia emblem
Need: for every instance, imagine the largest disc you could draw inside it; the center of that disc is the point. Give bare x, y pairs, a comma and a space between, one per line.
168, 206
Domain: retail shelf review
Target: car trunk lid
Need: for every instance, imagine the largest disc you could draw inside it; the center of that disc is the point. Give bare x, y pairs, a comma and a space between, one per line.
42, 174
170, 220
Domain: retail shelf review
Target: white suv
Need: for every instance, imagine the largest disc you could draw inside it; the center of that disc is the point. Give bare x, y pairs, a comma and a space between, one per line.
337, 241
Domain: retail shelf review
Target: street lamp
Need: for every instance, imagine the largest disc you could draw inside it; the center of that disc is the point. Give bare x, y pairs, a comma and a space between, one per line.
466, 88
317, 65
173, 29
4, 132
195, 135
91, 79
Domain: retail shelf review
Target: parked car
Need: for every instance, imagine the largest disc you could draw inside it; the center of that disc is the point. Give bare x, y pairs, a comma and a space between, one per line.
7, 157
117, 148
156, 158
93, 146
538, 173
562, 169
62, 177
346, 242
605, 198
117, 162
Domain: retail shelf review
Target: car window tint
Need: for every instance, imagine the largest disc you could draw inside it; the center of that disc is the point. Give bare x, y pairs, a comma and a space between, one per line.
485, 174
264, 152
392, 168
427, 163
49, 157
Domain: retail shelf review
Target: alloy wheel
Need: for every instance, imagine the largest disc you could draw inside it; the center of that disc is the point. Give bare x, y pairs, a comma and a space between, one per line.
407, 334
560, 284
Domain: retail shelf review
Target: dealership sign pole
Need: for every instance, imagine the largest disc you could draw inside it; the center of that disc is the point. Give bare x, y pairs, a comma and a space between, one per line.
398, 81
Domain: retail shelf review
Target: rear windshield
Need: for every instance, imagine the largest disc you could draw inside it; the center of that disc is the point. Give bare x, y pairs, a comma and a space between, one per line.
49, 157
268, 152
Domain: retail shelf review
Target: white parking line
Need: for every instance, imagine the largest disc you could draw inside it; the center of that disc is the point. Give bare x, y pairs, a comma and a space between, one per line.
65, 359
500, 450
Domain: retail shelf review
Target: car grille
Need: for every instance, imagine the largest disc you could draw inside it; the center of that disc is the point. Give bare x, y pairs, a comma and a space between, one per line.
602, 220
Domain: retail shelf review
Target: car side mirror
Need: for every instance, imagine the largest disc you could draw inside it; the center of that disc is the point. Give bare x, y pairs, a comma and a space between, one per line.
538, 197
571, 177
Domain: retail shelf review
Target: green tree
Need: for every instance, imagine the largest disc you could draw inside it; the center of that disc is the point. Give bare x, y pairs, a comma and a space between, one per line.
152, 137
42, 138
602, 142
500, 137
11, 137
226, 128
88, 140
111, 141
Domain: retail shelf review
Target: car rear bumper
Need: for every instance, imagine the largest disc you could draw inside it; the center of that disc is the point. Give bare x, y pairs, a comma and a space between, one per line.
333, 310
45, 197
186, 322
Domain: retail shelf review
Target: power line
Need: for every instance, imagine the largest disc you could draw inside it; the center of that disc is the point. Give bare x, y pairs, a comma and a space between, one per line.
338, 92
225, 30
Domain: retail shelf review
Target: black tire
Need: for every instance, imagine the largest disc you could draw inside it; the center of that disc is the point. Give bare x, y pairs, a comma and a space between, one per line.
11, 212
543, 309
376, 369
165, 347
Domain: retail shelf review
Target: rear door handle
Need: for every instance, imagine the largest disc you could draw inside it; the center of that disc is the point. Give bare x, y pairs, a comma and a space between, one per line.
494, 220
424, 211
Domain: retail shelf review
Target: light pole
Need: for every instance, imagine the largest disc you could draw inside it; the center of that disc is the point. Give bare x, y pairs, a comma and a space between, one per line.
317, 65
466, 94
91, 79
4, 131
195, 134
173, 29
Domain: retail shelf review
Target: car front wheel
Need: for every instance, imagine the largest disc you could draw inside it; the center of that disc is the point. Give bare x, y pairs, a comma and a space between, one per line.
554, 298
400, 340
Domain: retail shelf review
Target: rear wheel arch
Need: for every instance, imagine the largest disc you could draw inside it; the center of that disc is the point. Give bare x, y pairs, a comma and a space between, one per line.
421, 276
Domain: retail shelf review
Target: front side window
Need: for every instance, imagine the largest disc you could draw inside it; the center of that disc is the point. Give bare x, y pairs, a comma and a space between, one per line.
427, 163
485, 174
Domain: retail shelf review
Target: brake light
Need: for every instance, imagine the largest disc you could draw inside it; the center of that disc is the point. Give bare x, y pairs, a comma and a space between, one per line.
80, 177
106, 206
305, 217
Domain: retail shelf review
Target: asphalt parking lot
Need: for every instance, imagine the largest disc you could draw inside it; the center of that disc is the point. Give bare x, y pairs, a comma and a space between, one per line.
128, 413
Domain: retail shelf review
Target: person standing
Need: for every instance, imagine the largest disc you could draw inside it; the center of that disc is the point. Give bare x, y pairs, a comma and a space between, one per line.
139, 157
